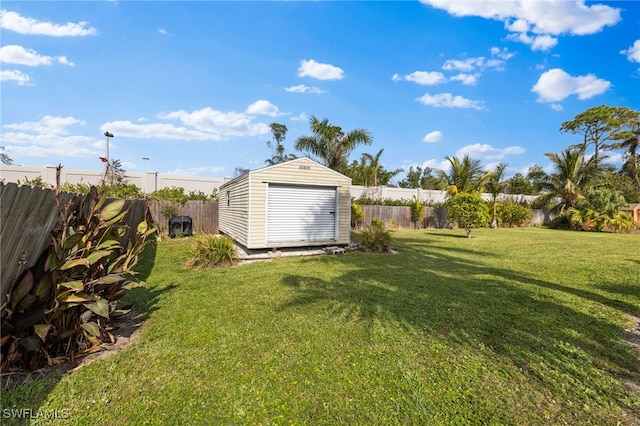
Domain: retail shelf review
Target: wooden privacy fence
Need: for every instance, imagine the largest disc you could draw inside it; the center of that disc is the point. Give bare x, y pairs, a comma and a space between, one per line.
435, 218
204, 214
401, 215
27, 217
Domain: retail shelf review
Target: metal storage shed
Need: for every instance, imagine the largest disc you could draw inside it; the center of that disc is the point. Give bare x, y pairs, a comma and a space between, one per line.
293, 204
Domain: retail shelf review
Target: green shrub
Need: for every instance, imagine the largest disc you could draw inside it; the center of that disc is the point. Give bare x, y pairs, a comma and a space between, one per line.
212, 251
37, 182
510, 213
357, 215
468, 211
562, 221
169, 211
78, 188
175, 193
418, 211
376, 238
621, 222
598, 211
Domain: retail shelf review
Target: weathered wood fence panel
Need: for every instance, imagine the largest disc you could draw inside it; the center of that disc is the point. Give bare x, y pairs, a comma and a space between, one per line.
434, 217
27, 217
204, 215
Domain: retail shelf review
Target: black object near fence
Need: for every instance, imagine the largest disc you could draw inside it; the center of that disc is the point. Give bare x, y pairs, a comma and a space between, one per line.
180, 226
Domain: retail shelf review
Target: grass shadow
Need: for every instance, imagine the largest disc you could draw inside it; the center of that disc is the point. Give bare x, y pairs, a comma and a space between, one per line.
450, 294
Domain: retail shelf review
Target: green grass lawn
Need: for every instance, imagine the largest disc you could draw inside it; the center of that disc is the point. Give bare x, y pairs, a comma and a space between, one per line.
514, 326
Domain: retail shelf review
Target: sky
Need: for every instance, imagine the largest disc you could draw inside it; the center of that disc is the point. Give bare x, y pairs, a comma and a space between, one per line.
193, 86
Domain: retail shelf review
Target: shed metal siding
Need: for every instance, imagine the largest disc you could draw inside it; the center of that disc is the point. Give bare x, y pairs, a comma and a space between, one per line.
234, 216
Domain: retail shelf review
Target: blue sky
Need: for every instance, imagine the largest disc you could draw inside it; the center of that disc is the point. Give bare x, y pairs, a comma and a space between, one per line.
194, 85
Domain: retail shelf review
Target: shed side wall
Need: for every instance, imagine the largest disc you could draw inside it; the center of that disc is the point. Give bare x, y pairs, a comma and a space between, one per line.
234, 214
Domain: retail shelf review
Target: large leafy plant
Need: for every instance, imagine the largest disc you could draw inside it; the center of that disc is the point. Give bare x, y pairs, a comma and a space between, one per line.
65, 304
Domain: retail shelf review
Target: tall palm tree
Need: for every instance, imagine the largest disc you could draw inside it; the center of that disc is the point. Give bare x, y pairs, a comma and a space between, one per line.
496, 185
631, 148
330, 144
464, 175
374, 165
573, 176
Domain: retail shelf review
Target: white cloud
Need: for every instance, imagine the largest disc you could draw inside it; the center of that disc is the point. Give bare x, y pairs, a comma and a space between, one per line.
542, 42
431, 137
424, 78
301, 117
633, 52
14, 75
480, 62
466, 65
47, 125
616, 158
502, 53
125, 128
466, 79
435, 164
14, 54
518, 26
263, 107
14, 22
203, 124
556, 107
301, 88
314, 69
48, 137
447, 100
24, 144
162, 31
542, 18
487, 152
556, 85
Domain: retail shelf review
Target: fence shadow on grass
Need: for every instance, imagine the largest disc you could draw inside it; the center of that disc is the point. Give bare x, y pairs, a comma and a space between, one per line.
451, 294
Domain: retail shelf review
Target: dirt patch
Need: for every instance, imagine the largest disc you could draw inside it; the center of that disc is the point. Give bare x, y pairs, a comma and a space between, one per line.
129, 330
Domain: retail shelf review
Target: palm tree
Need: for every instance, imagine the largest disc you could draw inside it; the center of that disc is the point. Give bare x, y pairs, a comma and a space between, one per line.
627, 137
464, 175
573, 176
632, 151
330, 144
374, 164
495, 185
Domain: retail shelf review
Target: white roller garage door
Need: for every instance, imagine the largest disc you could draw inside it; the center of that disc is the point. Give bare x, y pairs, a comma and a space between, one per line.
301, 214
